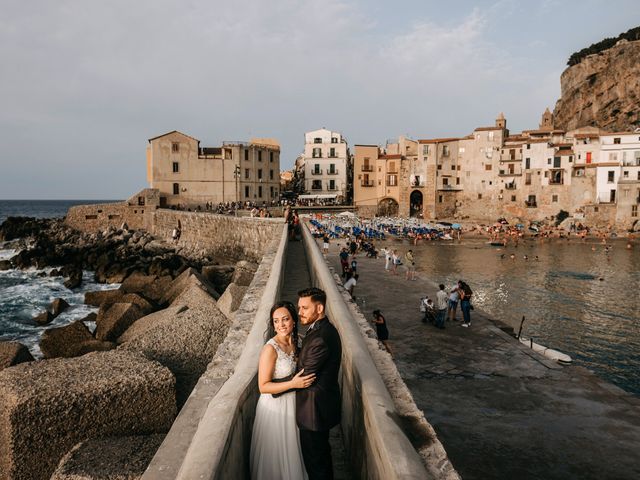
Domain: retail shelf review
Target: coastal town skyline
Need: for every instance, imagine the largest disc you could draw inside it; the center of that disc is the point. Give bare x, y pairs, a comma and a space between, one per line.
79, 106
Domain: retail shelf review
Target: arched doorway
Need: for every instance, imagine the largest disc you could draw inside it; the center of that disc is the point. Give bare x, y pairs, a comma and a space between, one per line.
415, 201
387, 207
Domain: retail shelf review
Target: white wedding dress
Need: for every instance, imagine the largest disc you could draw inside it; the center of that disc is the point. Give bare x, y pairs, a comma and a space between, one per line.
275, 442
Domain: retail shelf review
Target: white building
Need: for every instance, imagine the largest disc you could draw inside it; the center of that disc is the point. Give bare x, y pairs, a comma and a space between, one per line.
326, 161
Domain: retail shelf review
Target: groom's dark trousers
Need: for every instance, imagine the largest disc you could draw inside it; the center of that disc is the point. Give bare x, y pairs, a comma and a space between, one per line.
318, 406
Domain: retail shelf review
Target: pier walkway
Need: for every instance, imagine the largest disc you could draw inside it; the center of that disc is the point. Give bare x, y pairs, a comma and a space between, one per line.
500, 410
296, 277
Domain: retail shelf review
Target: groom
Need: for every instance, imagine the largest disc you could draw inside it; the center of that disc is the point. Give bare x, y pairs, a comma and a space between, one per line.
318, 406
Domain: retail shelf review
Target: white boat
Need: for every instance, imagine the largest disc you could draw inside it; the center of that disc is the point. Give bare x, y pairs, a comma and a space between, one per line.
559, 357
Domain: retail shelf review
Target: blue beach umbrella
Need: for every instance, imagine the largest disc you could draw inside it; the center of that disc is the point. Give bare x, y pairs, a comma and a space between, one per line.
457, 226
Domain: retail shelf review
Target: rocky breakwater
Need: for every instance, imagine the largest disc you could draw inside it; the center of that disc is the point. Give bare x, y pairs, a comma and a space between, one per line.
161, 327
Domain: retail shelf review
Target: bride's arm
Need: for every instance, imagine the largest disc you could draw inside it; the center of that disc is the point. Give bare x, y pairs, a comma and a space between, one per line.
267, 366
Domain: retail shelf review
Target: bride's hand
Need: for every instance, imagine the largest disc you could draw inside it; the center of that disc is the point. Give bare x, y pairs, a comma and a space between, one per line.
302, 381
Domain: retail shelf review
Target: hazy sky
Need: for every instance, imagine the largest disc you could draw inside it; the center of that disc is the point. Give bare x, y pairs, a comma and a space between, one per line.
84, 84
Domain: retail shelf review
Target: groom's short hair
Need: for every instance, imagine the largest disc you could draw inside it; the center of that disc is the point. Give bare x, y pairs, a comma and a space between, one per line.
317, 295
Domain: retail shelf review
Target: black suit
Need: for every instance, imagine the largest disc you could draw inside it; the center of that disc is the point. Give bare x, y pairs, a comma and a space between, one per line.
318, 406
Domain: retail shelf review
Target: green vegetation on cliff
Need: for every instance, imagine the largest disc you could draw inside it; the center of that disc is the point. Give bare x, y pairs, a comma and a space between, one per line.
606, 44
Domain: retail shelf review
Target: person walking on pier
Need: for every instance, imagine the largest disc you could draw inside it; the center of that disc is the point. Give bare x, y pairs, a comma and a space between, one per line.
465, 302
454, 297
381, 329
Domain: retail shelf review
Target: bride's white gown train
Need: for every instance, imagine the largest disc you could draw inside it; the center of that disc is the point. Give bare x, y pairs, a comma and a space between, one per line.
275, 442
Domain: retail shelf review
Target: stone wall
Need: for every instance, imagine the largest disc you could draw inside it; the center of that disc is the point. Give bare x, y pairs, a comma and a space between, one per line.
219, 235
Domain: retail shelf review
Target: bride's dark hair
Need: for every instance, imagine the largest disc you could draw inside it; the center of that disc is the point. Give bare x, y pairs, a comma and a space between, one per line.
271, 331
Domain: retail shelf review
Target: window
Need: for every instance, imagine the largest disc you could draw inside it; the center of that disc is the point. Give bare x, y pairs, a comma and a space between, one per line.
392, 180
176, 189
461, 150
270, 157
332, 169
260, 191
490, 135
246, 173
527, 179
610, 176
634, 210
554, 198
176, 167
528, 146
453, 167
613, 156
392, 166
260, 175
175, 147
616, 141
570, 158
625, 174
316, 169
488, 166
271, 192
549, 161
439, 198
332, 152
445, 181
317, 140
527, 163
316, 185
556, 162
332, 184
612, 196
246, 154
588, 157
334, 139
439, 167
270, 174
479, 196
425, 150
513, 198
259, 156
246, 191
445, 150
316, 153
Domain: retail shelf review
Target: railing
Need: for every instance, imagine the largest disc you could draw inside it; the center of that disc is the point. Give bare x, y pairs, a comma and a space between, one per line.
366, 183
332, 155
510, 186
316, 172
367, 168
316, 187
332, 172
334, 188
509, 158
450, 187
531, 203
316, 155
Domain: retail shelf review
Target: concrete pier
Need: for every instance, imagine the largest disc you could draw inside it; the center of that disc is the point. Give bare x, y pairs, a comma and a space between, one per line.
499, 409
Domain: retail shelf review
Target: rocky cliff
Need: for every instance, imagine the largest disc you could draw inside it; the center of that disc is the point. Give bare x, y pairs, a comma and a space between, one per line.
602, 90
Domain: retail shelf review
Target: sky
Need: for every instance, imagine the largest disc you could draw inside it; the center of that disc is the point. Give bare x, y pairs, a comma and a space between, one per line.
84, 84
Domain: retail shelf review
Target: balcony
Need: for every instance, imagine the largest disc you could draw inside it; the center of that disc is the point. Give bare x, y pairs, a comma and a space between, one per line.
332, 155
505, 157
332, 172
367, 168
394, 172
366, 183
316, 172
316, 186
450, 187
510, 173
510, 186
332, 188
316, 155
531, 203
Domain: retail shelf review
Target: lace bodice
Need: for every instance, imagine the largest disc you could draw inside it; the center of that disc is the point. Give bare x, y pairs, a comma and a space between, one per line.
285, 363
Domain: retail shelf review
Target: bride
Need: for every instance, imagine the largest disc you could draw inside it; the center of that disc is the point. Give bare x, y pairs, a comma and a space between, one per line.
275, 442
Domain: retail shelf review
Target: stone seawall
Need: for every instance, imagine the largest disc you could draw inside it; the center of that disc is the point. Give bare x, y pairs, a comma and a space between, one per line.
92, 218
219, 235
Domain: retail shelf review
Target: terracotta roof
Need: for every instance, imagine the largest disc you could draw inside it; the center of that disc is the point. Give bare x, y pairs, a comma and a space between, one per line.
563, 152
438, 140
391, 156
481, 129
174, 131
365, 145
586, 135
538, 140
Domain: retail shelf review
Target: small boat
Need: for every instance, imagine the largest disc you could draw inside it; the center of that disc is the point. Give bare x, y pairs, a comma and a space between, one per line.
559, 357
496, 244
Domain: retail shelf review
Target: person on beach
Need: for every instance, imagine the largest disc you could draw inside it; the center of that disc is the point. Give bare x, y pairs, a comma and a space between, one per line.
387, 258
395, 259
381, 329
465, 302
442, 301
351, 283
454, 297
411, 265
325, 243
344, 259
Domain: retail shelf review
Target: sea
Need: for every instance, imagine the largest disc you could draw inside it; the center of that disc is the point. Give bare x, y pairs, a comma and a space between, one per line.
24, 294
579, 298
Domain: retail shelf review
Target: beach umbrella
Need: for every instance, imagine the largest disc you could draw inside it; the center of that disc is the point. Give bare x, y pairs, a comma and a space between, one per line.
457, 226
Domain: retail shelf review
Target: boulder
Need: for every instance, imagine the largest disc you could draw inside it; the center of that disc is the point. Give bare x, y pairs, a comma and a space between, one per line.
220, 276
99, 297
243, 274
43, 318
154, 291
5, 265
147, 322
144, 306
55, 273
137, 283
49, 406
121, 458
112, 322
231, 299
13, 353
190, 277
71, 341
74, 280
184, 341
58, 306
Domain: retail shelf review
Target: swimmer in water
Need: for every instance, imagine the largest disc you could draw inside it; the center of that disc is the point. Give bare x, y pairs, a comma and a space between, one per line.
512, 256
526, 258
537, 259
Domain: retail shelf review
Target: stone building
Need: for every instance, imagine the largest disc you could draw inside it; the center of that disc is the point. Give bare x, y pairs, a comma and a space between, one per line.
187, 174
326, 165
